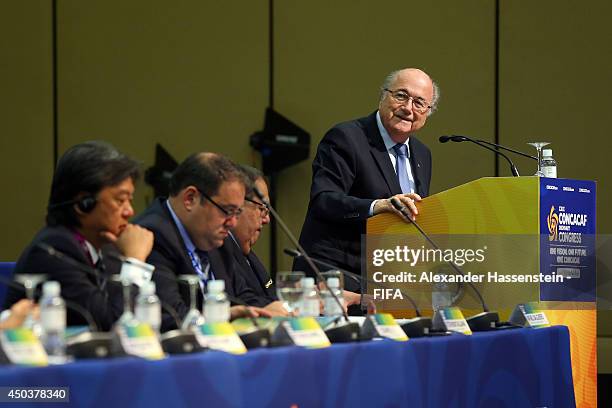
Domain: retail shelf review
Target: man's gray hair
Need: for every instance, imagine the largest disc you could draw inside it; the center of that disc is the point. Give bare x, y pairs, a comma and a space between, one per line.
389, 79
251, 174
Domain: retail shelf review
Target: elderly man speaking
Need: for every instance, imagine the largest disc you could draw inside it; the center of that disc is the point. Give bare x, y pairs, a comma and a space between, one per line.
363, 163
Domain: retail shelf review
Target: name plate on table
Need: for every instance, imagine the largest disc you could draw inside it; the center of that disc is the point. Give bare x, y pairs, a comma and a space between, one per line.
301, 331
383, 325
245, 325
139, 340
451, 319
21, 346
220, 336
528, 315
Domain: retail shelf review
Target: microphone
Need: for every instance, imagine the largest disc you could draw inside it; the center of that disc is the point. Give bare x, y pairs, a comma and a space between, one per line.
260, 337
415, 327
455, 138
94, 272
173, 341
357, 278
508, 149
348, 332
89, 344
486, 320
69, 304
178, 340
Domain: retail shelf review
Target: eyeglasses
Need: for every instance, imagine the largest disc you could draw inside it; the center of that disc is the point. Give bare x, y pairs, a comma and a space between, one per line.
400, 95
265, 211
228, 212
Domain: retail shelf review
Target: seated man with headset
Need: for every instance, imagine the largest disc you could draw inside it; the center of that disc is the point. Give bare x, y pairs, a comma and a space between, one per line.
89, 208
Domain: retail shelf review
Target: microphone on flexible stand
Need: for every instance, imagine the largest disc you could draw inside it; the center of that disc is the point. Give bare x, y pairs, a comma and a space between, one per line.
95, 272
258, 337
507, 149
416, 327
347, 332
91, 323
454, 138
88, 344
175, 339
173, 342
486, 320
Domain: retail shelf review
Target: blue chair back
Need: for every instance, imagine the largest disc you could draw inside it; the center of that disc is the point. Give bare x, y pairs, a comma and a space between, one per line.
6, 271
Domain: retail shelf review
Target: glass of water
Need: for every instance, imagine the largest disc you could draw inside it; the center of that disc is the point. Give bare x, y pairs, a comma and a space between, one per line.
30, 281
289, 289
539, 146
194, 318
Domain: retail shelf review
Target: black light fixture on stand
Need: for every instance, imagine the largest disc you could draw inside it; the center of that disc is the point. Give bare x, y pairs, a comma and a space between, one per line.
282, 143
158, 175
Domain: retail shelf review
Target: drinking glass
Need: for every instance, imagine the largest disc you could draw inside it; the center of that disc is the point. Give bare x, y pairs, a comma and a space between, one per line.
289, 289
127, 317
30, 281
539, 146
193, 319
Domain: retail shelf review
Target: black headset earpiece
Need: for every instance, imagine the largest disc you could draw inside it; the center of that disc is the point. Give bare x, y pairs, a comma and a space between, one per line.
85, 204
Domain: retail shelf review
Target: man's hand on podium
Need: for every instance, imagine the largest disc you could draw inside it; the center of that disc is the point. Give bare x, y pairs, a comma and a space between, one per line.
408, 200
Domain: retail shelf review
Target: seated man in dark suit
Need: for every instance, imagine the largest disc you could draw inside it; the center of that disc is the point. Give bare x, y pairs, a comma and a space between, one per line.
206, 199
363, 163
89, 207
246, 233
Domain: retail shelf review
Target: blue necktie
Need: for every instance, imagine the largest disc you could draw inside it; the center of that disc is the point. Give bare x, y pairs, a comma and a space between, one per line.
401, 153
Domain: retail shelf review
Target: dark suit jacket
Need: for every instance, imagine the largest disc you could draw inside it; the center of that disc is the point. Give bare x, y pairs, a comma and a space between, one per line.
252, 270
170, 257
351, 169
105, 305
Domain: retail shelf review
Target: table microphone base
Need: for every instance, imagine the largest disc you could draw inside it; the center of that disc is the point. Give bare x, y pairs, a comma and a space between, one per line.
180, 342
256, 338
417, 327
343, 333
90, 345
483, 321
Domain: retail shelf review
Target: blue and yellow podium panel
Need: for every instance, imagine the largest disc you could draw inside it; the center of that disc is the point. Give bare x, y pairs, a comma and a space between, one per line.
529, 239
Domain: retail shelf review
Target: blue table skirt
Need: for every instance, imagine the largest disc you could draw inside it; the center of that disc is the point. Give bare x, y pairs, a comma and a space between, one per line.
513, 368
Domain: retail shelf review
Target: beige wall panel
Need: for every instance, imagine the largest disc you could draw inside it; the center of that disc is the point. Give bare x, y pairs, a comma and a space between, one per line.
192, 75
331, 58
26, 121
555, 86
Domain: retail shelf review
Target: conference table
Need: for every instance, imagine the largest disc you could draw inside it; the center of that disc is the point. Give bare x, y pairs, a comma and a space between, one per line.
508, 368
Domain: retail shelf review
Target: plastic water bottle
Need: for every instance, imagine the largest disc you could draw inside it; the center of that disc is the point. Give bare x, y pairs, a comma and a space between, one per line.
330, 306
549, 165
148, 306
216, 305
310, 299
53, 321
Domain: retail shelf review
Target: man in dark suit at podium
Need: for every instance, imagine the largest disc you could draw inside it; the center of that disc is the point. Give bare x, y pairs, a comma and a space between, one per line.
361, 164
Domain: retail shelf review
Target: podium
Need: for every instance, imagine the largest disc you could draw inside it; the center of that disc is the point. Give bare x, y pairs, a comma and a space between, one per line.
541, 226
